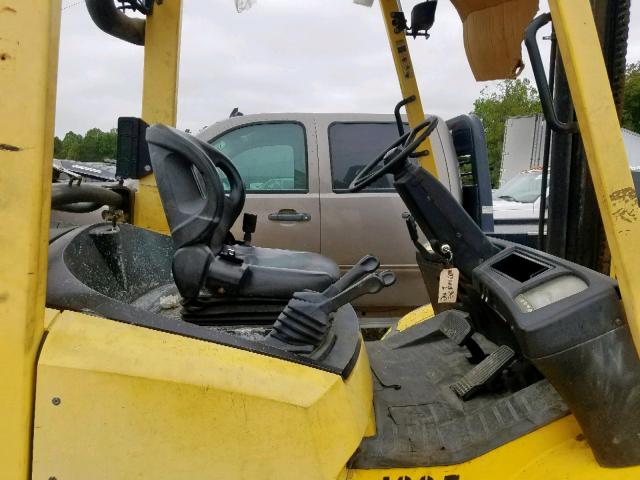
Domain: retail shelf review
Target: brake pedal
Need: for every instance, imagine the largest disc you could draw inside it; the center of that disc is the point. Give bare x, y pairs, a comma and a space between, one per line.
483, 373
458, 329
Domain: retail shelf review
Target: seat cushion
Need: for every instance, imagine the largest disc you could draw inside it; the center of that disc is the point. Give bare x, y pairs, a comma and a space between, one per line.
279, 273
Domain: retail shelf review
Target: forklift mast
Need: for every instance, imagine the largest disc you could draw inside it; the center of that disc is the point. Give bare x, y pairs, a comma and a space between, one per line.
575, 228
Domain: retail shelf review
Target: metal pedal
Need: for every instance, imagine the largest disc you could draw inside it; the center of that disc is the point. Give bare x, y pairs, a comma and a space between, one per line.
458, 329
483, 373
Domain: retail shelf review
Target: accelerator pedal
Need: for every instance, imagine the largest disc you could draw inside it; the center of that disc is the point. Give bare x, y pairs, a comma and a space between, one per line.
483, 373
458, 329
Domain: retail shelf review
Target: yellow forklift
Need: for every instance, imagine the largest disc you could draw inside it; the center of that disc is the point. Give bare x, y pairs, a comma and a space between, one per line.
533, 374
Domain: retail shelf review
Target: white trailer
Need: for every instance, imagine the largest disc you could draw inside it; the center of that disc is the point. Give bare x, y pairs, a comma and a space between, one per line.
524, 144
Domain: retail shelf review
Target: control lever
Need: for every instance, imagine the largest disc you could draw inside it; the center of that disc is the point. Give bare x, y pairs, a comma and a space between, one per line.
372, 283
304, 324
413, 234
366, 264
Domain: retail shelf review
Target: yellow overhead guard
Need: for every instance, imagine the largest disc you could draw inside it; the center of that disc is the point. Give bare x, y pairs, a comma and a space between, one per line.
493, 34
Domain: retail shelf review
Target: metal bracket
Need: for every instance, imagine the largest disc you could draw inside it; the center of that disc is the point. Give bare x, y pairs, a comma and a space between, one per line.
143, 6
546, 98
396, 112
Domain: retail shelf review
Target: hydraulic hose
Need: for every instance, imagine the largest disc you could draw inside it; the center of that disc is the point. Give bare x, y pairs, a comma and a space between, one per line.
542, 217
82, 198
617, 40
109, 19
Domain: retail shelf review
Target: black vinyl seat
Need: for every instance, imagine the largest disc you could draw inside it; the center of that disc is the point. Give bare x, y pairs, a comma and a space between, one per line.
200, 216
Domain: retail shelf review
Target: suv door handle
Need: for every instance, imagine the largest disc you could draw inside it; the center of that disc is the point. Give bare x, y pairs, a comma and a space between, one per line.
289, 215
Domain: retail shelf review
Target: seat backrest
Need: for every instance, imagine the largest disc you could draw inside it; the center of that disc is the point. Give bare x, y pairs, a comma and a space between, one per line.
234, 200
190, 189
471, 148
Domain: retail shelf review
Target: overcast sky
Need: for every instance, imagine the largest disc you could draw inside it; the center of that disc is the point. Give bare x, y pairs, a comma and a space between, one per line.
279, 56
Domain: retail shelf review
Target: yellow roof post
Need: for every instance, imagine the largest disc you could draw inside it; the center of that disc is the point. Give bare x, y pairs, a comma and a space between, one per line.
28, 73
159, 98
407, 78
591, 93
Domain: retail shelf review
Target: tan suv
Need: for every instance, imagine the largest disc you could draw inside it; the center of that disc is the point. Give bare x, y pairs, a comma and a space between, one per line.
296, 168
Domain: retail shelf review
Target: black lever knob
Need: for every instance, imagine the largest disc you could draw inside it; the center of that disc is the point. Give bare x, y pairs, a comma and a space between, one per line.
370, 284
365, 265
249, 223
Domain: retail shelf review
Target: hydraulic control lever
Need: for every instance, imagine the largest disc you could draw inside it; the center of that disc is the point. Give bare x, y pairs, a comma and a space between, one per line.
370, 284
365, 265
305, 323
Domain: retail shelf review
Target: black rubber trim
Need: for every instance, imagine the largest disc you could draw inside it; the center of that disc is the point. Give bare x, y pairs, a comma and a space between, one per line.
346, 371
517, 221
185, 329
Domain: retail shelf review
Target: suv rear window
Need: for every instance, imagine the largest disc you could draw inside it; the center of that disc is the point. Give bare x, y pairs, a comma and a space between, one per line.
352, 146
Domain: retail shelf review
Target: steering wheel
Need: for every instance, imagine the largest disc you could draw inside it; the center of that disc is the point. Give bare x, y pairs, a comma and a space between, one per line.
388, 162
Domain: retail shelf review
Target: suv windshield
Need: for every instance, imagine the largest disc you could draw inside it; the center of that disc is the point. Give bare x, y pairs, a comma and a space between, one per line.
523, 188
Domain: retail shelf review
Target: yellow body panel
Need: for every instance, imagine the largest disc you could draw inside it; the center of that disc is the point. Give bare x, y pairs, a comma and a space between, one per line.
415, 317
602, 138
407, 79
160, 99
29, 35
138, 403
555, 452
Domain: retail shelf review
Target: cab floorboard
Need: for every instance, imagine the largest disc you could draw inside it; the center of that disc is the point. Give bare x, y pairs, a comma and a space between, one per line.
420, 421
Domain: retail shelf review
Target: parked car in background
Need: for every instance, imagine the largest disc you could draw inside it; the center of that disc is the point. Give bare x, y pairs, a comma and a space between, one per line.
296, 169
516, 204
90, 172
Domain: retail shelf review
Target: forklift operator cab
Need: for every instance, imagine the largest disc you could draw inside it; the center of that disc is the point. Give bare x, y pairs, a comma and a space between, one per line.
512, 357
195, 355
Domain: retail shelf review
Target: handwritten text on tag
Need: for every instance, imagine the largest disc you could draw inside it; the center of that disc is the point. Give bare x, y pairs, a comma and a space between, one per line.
448, 289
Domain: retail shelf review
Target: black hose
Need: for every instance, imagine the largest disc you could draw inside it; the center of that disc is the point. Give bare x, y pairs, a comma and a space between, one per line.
81, 207
617, 40
109, 19
542, 83
547, 149
82, 198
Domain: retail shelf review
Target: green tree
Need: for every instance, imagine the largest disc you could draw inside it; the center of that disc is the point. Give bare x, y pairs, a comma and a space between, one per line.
631, 105
509, 98
94, 146
70, 146
58, 151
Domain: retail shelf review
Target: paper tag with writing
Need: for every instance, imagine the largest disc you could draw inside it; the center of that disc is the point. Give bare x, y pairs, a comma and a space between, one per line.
448, 289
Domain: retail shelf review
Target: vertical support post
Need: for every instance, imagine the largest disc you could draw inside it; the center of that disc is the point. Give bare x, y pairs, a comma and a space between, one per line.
159, 98
28, 73
406, 78
602, 139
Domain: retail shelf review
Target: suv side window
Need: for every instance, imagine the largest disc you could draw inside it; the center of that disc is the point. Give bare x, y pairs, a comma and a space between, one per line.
352, 146
271, 157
